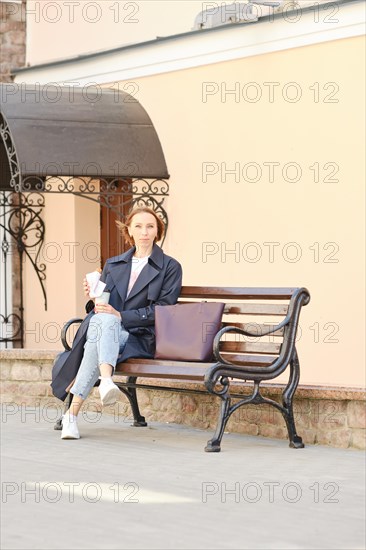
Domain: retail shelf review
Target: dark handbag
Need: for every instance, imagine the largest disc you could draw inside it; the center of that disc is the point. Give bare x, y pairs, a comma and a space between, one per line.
185, 332
61, 374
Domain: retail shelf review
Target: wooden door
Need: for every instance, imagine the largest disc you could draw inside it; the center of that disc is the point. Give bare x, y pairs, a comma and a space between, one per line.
112, 243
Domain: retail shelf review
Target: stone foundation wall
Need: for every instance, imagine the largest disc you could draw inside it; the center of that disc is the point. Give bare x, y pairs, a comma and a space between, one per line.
12, 38
327, 416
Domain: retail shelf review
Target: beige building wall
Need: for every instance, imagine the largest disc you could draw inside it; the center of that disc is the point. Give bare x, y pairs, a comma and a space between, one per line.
284, 232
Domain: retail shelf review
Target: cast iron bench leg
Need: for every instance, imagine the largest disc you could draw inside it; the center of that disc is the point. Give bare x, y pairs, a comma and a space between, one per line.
131, 394
287, 400
214, 444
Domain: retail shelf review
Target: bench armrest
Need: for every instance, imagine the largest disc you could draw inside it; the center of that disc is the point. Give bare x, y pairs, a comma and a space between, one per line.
300, 297
237, 330
64, 330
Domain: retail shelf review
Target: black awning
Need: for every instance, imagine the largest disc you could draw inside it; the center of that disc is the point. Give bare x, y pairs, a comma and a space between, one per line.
72, 131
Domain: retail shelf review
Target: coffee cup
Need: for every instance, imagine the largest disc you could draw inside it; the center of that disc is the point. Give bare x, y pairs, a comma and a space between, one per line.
96, 286
103, 299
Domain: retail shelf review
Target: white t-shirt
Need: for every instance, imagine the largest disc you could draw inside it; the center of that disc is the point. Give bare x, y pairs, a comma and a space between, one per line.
138, 265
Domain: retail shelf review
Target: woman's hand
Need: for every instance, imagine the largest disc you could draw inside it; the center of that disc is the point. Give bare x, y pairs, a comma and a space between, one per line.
86, 288
107, 308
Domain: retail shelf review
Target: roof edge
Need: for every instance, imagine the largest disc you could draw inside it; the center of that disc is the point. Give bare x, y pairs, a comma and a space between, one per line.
159, 40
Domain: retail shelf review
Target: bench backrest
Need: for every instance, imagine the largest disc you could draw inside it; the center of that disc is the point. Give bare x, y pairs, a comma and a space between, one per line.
255, 310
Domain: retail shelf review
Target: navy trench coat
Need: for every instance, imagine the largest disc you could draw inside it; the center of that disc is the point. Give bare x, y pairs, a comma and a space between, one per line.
159, 283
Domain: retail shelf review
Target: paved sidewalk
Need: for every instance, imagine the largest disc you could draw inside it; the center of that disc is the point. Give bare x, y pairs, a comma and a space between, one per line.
146, 488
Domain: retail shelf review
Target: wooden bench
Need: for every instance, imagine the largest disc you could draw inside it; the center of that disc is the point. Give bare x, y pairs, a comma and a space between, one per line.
251, 346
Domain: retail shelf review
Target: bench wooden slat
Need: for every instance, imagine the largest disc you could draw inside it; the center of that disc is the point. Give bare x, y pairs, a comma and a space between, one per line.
251, 347
154, 368
247, 293
256, 309
254, 328
250, 309
162, 369
250, 360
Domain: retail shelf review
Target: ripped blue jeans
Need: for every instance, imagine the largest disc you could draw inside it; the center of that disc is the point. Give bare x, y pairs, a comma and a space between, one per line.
105, 340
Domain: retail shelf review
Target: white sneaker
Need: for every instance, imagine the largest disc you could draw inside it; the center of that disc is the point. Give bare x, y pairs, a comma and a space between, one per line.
108, 392
69, 428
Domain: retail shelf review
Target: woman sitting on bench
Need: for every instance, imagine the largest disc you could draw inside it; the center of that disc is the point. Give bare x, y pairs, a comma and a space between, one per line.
137, 280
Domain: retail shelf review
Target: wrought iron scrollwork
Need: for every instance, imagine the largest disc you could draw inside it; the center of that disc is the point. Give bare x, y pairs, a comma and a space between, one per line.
112, 193
11, 328
23, 231
5, 134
